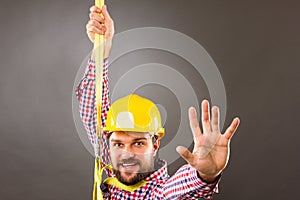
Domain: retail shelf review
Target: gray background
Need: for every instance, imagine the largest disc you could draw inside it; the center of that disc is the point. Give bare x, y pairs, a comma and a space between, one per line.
255, 45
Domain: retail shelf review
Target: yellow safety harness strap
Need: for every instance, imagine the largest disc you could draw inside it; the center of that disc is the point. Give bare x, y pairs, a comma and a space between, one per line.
97, 193
130, 188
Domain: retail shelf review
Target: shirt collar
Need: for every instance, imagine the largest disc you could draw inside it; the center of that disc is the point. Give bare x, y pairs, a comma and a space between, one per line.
160, 173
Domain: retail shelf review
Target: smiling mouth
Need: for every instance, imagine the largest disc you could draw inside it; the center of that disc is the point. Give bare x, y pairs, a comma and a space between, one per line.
129, 164
128, 167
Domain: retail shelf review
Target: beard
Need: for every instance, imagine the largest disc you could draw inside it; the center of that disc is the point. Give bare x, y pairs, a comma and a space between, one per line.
135, 179
140, 175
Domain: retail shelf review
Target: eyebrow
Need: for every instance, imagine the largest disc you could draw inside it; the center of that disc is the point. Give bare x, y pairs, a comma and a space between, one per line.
136, 139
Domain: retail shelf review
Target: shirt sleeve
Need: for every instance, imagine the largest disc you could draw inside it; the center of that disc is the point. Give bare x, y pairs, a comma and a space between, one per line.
86, 95
187, 184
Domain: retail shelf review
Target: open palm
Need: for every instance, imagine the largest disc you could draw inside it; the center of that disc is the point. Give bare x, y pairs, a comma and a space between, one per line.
211, 148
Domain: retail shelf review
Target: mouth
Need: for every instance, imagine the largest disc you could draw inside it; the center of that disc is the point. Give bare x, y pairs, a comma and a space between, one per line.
129, 167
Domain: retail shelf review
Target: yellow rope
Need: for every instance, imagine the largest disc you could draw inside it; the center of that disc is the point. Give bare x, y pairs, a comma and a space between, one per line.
99, 53
97, 193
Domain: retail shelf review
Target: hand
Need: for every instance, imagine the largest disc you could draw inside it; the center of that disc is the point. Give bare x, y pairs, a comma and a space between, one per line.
211, 148
100, 22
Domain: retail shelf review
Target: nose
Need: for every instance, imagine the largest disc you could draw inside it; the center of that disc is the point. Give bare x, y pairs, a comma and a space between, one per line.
127, 152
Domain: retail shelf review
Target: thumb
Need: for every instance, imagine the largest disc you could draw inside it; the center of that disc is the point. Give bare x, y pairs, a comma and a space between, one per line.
105, 13
185, 154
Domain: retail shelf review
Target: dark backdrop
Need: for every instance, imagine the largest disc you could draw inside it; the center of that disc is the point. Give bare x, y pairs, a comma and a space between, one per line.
255, 45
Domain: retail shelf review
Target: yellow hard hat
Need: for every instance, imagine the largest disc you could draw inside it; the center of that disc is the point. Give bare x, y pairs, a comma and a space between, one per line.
135, 114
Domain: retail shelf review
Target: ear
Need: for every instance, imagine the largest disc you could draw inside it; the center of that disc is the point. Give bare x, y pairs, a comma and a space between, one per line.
156, 146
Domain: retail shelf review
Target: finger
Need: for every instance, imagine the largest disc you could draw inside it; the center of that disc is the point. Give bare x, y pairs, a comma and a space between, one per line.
205, 116
185, 154
94, 23
232, 128
95, 9
215, 119
94, 30
97, 17
91, 34
103, 28
194, 124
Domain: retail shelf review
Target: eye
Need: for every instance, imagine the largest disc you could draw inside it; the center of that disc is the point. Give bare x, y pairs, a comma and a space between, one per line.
139, 144
117, 144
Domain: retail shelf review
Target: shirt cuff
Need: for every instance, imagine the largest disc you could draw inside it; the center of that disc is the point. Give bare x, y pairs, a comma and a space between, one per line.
91, 70
209, 188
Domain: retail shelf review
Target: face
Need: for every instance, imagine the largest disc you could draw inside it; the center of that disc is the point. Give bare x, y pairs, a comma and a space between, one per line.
132, 155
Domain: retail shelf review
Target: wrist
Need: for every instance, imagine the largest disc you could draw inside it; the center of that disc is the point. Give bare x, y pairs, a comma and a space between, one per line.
107, 48
208, 178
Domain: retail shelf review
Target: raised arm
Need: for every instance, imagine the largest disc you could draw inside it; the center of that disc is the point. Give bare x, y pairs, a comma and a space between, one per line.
85, 92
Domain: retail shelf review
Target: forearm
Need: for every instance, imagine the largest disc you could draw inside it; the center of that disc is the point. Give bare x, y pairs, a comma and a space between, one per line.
85, 93
187, 183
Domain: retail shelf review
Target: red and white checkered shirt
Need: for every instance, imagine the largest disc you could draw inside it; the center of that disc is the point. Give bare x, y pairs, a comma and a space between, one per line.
184, 184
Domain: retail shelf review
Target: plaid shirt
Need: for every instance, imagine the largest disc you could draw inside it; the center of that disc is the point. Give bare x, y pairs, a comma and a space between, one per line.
184, 184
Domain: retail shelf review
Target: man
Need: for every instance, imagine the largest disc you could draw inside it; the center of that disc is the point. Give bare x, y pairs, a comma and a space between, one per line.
132, 136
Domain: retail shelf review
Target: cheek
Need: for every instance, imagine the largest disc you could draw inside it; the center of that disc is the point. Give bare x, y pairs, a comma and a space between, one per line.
149, 153
114, 157
149, 149
146, 158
